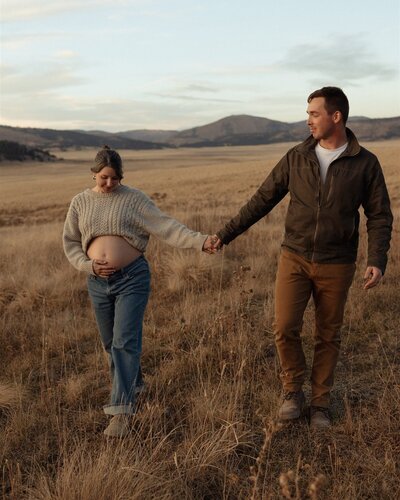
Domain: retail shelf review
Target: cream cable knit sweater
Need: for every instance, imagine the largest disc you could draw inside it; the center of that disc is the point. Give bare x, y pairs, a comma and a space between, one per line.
125, 212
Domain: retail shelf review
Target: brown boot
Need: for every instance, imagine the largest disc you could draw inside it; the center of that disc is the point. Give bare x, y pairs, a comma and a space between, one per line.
319, 418
292, 406
118, 426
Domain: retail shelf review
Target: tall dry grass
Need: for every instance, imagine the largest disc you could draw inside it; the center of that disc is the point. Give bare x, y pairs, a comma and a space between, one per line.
206, 422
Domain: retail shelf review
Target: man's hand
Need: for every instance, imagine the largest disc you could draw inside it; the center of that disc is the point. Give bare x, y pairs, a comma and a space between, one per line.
102, 269
212, 244
372, 277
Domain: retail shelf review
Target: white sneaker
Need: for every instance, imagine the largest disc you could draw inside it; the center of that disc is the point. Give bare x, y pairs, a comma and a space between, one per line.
118, 426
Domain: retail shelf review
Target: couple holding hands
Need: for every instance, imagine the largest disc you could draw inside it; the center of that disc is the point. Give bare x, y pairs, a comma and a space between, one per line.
328, 176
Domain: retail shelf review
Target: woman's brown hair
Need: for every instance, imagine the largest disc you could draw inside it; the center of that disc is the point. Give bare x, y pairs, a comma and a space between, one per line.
107, 157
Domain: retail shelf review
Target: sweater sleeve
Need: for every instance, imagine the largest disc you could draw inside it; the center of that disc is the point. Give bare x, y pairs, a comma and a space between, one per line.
72, 243
168, 229
269, 194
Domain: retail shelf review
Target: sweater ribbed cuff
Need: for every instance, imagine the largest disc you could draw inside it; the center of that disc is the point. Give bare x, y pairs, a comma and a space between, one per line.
200, 242
87, 267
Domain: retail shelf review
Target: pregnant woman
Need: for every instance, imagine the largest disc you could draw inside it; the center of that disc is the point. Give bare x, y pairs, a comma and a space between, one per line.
105, 235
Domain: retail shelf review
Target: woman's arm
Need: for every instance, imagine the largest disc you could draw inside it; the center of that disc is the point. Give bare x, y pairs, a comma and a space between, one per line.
168, 229
72, 243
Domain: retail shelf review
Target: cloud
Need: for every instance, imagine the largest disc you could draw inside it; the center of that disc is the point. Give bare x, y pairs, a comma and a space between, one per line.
50, 110
197, 87
55, 111
66, 54
241, 70
15, 10
40, 79
22, 40
204, 87
180, 89
181, 97
346, 59
7, 71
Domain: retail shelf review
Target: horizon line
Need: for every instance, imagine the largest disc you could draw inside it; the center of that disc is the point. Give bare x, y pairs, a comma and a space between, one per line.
188, 128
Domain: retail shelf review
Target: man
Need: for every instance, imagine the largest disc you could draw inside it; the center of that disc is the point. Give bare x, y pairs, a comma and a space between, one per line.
329, 176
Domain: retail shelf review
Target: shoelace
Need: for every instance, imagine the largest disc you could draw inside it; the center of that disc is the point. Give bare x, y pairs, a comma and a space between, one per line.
322, 409
291, 395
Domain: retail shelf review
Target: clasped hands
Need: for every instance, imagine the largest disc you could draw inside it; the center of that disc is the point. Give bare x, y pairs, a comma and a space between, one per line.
212, 244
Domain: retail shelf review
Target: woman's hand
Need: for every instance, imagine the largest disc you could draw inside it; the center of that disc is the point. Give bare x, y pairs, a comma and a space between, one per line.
102, 269
212, 244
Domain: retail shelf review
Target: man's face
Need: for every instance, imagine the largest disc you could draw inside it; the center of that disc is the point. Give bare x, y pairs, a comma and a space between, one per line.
321, 123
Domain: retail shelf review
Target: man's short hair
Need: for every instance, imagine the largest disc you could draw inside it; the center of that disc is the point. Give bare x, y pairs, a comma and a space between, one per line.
335, 100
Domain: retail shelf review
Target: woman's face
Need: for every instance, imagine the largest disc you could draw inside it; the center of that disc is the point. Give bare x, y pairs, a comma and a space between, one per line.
106, 180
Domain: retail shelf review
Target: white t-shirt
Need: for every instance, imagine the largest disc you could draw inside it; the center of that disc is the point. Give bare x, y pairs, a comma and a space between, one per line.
326, 157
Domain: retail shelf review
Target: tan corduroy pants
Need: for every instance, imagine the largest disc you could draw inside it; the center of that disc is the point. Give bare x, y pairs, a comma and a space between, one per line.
298, 279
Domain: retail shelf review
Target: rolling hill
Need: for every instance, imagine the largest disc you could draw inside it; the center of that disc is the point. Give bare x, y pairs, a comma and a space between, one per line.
63, 139
244, 129
233, 130
161, 136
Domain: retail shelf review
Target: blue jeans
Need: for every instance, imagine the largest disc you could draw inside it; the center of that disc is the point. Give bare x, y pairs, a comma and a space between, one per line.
119, 303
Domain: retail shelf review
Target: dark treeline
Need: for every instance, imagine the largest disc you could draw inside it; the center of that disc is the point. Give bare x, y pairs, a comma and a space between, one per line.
14, 151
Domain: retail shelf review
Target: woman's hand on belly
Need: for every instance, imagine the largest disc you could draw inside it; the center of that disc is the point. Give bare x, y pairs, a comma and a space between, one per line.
102, 268
111, 252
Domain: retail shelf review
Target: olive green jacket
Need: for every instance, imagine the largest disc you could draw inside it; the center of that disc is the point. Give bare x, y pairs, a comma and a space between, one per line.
322, 220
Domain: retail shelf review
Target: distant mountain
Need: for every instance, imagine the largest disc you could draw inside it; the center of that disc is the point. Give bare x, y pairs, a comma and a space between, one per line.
162, 136
50, 138
375, 129
233, 130
245, 129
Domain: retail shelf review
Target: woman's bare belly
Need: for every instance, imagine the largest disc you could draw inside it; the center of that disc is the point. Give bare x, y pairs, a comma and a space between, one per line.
115, 250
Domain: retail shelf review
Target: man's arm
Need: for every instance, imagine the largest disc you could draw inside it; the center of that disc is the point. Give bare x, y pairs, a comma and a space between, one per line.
376, 206
269, 194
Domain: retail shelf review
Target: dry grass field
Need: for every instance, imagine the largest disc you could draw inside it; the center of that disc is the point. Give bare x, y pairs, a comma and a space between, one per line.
206, 426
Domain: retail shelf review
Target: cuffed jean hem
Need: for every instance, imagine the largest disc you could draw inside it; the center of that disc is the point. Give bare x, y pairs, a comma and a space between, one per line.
291, 387
119, 409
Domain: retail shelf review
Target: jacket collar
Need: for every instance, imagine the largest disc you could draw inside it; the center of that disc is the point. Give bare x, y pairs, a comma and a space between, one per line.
307, 148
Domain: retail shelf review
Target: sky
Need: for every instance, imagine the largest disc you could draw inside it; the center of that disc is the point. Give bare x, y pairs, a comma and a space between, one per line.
120, 65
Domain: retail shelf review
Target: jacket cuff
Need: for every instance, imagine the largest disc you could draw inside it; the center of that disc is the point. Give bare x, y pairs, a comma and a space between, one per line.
224, 236
379, 265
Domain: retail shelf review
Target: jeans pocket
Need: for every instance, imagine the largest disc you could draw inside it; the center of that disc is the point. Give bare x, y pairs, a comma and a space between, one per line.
139, 281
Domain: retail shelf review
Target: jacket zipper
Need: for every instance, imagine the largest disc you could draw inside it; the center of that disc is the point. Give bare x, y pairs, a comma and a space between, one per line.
320, 195
318, 211
331, 180
315, 232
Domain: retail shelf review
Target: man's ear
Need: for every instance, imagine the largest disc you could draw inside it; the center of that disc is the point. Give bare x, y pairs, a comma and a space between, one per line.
337, 116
